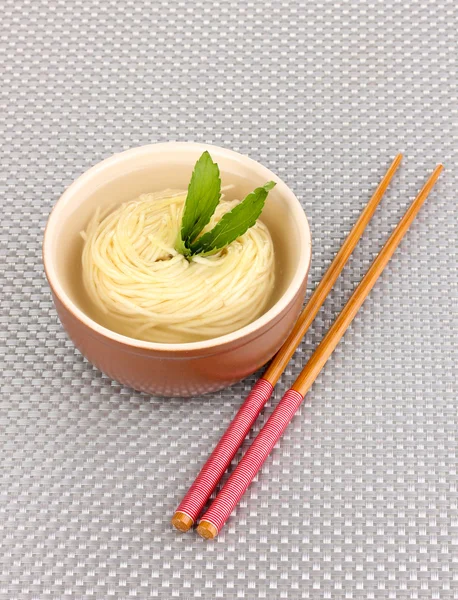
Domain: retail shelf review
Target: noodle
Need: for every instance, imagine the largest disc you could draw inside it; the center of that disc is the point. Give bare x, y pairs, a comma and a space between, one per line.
142, 287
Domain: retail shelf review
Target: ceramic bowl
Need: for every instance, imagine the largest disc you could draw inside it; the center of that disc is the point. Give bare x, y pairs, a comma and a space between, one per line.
175, 369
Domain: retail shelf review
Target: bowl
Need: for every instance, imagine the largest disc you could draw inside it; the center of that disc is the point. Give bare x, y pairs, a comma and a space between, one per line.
186, 369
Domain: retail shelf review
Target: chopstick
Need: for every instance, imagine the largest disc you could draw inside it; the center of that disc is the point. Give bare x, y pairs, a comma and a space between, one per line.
195, 499
229, 496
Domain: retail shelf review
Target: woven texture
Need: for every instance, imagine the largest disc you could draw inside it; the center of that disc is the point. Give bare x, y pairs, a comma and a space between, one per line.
359, 498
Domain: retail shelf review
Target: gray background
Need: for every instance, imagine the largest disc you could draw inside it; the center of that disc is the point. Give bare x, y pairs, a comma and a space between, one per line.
359, 499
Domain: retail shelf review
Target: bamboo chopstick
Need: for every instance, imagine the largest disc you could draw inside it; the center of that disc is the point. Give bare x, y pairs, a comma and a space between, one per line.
229, 496
195, 499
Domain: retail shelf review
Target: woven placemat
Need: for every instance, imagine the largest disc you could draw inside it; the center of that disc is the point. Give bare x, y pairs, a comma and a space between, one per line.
359, 499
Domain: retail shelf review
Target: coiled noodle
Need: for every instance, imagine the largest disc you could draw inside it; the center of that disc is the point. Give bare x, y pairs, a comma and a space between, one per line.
141, 287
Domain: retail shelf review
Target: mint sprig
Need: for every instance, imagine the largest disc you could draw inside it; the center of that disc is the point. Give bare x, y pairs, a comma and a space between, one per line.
234, 223
204, 193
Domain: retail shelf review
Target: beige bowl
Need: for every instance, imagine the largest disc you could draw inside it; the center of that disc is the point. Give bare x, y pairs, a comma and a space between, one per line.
175, 369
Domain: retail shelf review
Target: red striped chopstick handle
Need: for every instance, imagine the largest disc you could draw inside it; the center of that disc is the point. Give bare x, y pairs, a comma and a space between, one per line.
219, 460
244, 473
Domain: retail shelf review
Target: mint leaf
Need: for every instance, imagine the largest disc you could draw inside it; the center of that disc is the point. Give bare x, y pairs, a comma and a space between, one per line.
181, 247
234, 223
204, 192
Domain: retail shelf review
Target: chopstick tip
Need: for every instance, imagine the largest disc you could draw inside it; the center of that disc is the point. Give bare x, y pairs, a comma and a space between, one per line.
182, 521
396, 162
435, 174
207, 530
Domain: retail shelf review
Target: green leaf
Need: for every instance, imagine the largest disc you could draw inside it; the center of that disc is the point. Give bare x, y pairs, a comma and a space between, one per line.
181, 248
204, 192
234, 223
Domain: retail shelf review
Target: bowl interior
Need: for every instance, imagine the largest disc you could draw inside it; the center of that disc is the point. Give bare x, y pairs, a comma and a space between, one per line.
154, 168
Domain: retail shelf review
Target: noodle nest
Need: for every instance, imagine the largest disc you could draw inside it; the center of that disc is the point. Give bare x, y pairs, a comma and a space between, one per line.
141, 287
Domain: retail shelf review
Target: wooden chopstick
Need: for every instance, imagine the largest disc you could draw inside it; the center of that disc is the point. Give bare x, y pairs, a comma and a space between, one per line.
231, 493
306, 318
195, 499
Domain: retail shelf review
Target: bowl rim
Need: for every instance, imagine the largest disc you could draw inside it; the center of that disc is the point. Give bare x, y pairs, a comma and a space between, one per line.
268, 317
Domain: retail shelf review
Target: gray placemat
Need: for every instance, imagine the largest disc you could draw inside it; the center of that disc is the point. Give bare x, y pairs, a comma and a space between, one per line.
359, 499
